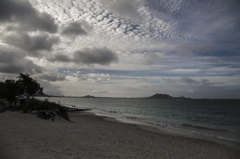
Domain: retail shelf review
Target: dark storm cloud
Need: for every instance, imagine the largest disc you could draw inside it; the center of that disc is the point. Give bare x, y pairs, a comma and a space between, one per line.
12, 62
101, 56
6, 68
28, 18
32, 43
76, 28
60, 58
52, 77
11, 8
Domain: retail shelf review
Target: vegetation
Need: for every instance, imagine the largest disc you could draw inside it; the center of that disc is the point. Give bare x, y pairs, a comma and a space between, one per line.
38, 105
29, 85
10, 90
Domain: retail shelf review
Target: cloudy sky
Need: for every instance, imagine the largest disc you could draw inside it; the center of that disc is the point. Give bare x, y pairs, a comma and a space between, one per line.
123, 48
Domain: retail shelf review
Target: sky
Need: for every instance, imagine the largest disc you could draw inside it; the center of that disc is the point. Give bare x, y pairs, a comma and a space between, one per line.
123, 48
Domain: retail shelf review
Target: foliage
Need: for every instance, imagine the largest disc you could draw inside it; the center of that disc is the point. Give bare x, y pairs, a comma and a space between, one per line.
2, 89
34, 104
33, 88
9, 90
29, 85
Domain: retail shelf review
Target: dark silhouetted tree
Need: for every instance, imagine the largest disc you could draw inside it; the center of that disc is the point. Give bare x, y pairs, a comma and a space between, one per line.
33, 87
29, 85
2, 90
9, 90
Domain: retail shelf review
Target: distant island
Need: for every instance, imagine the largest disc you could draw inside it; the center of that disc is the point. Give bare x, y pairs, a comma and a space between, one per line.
166, 96
155, 96
88, 96
161, 96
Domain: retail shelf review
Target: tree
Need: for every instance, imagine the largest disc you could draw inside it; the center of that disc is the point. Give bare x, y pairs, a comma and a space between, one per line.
33, 87
24, 80
29, 85
2, 89
9, 90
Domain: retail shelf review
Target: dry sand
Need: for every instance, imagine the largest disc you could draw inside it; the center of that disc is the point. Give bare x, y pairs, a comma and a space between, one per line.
89, 136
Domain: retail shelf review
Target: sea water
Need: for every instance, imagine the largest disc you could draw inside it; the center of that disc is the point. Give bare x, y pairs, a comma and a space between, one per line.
217, 119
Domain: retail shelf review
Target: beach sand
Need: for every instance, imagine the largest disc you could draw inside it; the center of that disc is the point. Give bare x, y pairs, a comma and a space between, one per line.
89, 136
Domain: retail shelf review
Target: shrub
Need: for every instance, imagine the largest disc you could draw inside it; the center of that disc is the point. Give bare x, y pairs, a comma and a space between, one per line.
34, 104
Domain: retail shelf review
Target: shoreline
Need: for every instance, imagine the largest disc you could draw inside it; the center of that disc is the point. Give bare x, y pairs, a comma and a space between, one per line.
181, 133
91, 136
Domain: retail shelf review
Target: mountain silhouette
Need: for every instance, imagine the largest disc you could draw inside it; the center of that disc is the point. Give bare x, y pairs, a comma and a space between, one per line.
161, 96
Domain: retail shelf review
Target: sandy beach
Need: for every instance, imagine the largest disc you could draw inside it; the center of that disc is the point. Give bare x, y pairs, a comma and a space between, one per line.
89, 136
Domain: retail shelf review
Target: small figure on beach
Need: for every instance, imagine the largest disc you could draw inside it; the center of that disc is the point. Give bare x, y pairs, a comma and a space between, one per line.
22, 98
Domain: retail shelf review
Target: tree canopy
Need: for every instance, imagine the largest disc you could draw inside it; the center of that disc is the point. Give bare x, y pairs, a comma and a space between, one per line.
29, 85
10, 88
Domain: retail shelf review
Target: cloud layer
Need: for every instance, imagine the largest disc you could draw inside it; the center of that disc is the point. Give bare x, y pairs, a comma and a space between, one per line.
15, 62
124, 47
32, 44
101, 56
28, 18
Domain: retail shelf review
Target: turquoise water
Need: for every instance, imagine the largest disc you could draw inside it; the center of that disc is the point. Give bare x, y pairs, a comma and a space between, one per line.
215, 118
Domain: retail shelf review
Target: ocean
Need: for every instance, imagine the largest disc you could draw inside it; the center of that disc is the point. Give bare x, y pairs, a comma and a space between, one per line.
217, 119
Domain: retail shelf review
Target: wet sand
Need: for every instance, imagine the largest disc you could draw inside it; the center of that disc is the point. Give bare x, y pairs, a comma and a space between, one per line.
90, 136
